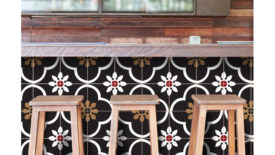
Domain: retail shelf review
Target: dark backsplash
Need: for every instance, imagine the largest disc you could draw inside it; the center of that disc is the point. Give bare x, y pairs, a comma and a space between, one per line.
92, 78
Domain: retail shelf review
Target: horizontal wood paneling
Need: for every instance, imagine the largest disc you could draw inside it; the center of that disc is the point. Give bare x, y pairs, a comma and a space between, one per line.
242, 4
208, 32
237, 26
133, 32
241, 12
64, 22
241, 22
26, 22
157, 22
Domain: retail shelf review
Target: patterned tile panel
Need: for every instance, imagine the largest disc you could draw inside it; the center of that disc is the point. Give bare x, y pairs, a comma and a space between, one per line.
174, 80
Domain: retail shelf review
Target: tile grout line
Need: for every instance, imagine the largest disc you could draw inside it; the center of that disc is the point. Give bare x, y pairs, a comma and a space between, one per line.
169, 99
224, 119
142, 122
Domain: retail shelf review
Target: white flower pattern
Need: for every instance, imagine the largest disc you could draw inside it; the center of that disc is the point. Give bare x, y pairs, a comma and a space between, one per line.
169, 83
221, 138
60, 83
119, 139
223, 83
114, 83
169, 138
60, 138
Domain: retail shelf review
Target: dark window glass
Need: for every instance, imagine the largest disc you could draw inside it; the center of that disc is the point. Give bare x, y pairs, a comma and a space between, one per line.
147, 6
59, 5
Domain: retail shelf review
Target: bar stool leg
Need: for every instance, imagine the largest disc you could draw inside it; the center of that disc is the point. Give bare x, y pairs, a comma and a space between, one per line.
80, 131
34, 127
193, 131
231, 132
75, 131
200, 130
153, 130
40, 133
113, 132
240, 131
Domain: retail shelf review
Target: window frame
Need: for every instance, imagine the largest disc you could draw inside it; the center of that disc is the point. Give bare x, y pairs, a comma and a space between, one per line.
100, 12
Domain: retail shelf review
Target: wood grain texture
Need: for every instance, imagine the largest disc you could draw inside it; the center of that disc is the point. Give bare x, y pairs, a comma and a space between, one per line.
26, 22
218, 99
129, 50
240, 22
40, 133
80, 131
209, 32
231, 132
134, 99
114, 130
216, 102
242, 4
238, 26
200, 130
53, 100
153, 130
157, 22
193, 132
66, 22
240, 131
33, 132
241, 12
75, 132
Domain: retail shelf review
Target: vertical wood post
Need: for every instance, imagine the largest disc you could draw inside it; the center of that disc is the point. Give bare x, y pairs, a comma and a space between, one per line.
114, 132
153, 130
231, 132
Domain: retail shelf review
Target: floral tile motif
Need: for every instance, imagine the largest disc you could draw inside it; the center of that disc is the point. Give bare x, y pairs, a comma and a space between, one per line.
27, 65
174, 80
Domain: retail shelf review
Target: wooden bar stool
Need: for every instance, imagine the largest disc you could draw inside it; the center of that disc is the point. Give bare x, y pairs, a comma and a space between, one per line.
42, 104
202, 103
134, 102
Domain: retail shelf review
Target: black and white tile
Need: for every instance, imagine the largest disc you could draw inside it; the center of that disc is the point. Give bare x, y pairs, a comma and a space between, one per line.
174, 80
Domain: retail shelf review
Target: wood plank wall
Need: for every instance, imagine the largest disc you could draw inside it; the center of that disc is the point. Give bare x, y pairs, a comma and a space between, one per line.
237, 26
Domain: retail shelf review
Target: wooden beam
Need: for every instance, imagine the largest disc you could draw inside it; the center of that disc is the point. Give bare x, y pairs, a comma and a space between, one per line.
139, 50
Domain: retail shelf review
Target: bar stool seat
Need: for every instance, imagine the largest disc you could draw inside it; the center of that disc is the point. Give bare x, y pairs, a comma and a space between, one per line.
232, 103
42, 104
134, 102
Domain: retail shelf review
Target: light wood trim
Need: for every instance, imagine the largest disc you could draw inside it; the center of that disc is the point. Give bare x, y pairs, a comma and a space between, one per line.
231, 132
218, 99
139, 50
38, 127
127, 107
55, 100
200, 130
53, 108
75, 131
34, 128
80, 131
153, 130
134, 99
113, 131
40, 134
240, 131
193, 131
221, 107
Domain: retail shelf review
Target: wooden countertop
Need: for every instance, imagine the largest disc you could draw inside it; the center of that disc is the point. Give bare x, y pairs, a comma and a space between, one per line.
134, 50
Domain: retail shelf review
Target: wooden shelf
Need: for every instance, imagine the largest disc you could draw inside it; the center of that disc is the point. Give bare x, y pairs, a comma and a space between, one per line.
137, 50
